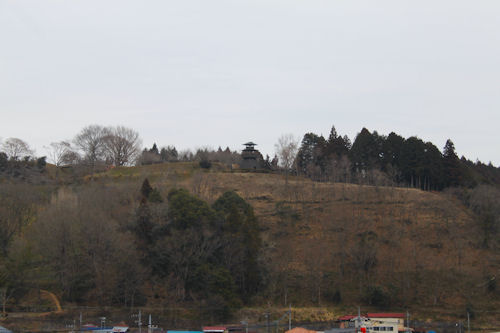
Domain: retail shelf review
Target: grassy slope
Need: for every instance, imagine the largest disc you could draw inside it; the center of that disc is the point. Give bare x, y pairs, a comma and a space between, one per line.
426, 244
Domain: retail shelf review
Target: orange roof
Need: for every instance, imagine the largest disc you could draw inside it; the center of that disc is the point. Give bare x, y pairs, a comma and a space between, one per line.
214, 328
300, 330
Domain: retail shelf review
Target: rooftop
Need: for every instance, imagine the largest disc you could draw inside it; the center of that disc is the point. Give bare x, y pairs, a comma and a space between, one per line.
374, 315
214, 328
385, 315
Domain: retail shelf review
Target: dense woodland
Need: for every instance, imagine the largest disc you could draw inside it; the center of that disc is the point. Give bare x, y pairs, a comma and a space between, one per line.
99, 226
376, 158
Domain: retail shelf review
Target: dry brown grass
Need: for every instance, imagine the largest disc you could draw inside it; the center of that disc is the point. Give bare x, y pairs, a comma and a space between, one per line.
310, 227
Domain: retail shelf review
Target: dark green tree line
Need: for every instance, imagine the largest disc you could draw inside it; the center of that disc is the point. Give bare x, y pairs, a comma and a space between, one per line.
407, 162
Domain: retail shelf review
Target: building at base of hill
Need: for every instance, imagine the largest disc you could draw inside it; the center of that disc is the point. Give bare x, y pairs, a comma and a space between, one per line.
376, 322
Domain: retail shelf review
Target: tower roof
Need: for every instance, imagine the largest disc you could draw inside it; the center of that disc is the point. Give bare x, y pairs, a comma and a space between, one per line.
250, 144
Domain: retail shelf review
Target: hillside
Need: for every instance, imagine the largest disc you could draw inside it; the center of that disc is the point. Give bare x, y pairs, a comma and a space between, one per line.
324, 245
387, 246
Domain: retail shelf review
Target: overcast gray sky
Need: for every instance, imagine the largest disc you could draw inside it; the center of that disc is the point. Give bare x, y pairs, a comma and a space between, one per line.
220, 73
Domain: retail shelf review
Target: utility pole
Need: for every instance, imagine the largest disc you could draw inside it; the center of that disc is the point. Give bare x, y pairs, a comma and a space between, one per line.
245, 322
139, 320
103, 322
407, 321
290, 318
468, 322
267, 321
358, 320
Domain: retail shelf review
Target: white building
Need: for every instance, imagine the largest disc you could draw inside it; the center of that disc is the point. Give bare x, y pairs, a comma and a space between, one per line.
375, 322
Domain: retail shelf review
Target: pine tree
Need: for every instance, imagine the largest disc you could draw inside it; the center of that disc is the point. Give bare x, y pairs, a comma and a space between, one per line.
411, 160
336, 144
312, 152
154, 149
433, 169
391, 150
146, 189
451, 165
365, 151
305, 156
333, 135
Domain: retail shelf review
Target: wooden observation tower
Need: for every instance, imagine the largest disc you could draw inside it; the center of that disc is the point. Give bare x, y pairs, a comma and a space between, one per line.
252, 158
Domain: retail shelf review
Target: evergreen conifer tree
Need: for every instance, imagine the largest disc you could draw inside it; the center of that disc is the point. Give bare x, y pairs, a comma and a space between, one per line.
154, 149
364, 153
146, 189
336, 144
451, 165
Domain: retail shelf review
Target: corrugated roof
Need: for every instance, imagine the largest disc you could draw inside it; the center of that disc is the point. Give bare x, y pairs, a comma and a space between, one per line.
374, 315
385, 315
214, 328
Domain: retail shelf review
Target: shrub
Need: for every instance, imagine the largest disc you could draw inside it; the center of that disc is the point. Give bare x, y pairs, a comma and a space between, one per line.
205, 164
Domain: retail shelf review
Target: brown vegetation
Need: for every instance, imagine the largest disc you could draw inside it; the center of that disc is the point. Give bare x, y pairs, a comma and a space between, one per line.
324, 244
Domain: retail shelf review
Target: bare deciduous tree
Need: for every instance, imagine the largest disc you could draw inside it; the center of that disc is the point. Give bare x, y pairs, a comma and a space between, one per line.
16, 148
5, 295
78, 235
186, 155
286, 150
484, 202
91, 141
122, 145
61, 153
16, 210
117, 145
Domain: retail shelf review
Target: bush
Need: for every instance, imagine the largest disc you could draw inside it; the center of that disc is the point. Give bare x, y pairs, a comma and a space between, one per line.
492, 284
4, 160
41, 163
155, 196
205, 164
335, 296
376, 296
